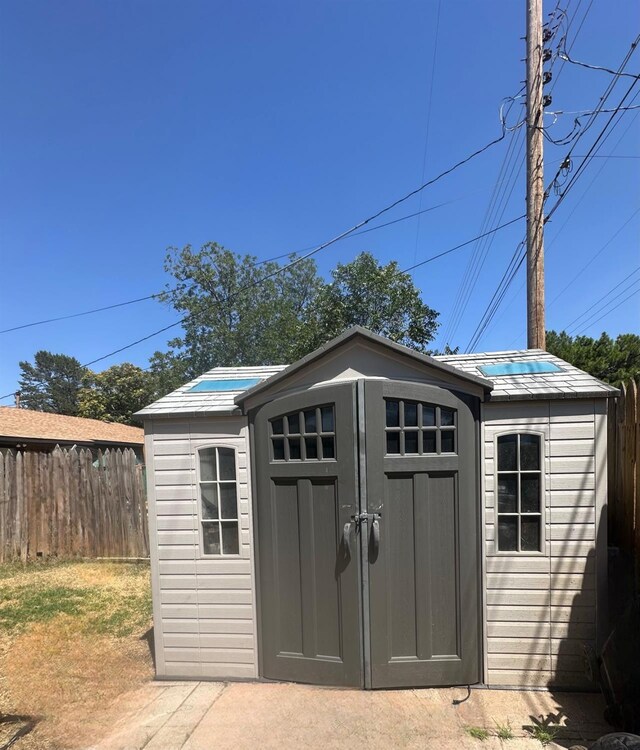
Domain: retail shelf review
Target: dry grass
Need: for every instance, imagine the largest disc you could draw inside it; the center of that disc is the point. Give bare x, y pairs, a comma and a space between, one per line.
71, 641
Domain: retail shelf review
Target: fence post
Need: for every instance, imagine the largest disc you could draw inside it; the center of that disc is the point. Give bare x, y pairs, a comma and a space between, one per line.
4, 502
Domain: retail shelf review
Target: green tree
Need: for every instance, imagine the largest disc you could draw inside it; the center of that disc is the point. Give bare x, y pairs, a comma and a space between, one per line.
115, 394
237, 311
52, 383
169, 371
613, 361
378, 297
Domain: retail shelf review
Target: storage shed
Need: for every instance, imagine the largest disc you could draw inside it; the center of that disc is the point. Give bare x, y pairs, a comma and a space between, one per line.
373, 517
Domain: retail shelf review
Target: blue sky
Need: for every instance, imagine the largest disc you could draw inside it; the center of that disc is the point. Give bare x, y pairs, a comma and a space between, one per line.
271, 126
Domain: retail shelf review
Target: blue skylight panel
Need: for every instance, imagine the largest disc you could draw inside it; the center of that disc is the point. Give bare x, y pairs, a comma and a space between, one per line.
519, 368
220, 386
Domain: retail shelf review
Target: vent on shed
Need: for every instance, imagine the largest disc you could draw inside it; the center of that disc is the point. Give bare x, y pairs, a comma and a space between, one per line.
519, 368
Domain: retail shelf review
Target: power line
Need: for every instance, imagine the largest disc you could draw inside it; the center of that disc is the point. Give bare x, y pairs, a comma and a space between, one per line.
610, 156
563, 39
604, 315
563, 55
590, 111
568, 218
601, 105
259, 263
587, 158
494, 213
426, 137
370, 229
590, 311
259, 281
494, 210
463, 244
321, 247
245, 288
514, 266
577, 122
503, 286
80, 314
498, 295
594, 256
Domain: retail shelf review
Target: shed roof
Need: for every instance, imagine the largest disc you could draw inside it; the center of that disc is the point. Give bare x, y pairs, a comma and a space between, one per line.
186, 402
27, 424
567, 382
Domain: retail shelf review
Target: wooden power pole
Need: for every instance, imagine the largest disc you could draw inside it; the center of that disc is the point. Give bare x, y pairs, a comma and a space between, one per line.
535, 179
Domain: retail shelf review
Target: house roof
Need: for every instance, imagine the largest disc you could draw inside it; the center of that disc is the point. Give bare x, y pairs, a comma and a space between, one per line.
25, 424
566, 382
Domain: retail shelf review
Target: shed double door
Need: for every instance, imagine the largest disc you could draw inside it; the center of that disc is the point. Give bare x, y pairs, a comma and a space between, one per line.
367, 542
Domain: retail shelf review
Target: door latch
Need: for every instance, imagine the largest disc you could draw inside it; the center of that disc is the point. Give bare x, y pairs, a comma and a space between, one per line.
360, 518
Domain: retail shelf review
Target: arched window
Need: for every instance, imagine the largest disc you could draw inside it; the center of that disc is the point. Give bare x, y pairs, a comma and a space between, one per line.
218, 493
519, 492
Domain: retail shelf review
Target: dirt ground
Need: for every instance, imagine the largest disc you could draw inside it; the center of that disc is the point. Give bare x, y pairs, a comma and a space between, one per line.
73, 638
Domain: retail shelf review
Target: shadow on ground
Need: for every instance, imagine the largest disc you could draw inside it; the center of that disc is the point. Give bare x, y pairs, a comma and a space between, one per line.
149, 637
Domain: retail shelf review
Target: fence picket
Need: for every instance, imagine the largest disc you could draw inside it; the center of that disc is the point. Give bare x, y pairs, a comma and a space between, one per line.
624, 472
4, 502
67, 503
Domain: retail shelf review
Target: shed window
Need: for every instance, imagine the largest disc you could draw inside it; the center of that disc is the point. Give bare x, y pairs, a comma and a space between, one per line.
307, 435
413, 428
219, 501
519, 493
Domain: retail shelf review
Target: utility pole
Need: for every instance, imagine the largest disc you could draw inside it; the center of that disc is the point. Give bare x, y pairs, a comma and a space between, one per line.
536, 338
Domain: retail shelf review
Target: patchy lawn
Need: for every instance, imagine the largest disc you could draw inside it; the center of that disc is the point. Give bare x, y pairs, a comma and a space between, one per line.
73, 637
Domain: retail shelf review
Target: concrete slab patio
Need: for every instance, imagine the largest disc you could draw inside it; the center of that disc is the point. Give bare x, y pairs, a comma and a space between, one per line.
205, 715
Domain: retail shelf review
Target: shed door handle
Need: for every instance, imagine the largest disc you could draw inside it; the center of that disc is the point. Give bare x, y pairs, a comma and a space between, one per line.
375, 536
346, 537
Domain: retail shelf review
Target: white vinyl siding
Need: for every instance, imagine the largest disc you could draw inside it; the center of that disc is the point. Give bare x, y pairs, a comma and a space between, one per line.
204, 606
540, 608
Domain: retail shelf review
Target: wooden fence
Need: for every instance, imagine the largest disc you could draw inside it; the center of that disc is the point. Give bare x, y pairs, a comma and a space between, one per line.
71, 503
624, 471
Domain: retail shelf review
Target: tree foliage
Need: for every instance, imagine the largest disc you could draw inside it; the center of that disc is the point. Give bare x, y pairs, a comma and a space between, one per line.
239, 312
377, 297
52, 383
115, 394
236, 311
613, 361
168, 370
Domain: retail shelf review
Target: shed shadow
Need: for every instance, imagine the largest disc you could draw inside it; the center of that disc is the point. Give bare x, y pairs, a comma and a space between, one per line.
577, 628
149, 637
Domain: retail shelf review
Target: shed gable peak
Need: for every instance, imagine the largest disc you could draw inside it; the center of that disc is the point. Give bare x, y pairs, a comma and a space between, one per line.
359, 353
